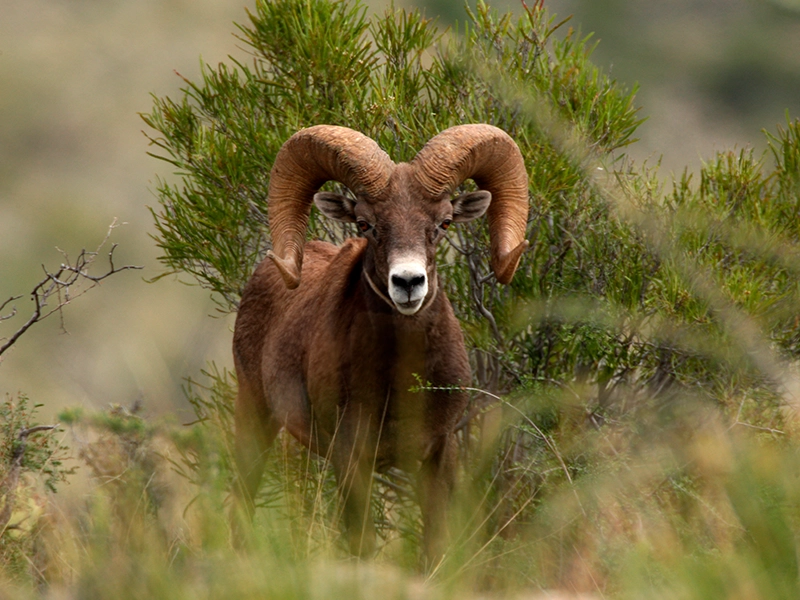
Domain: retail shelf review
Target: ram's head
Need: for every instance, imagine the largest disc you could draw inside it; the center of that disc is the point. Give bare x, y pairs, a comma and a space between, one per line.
402, 209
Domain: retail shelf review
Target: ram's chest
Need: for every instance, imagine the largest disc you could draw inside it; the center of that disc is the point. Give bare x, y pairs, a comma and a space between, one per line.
371, 391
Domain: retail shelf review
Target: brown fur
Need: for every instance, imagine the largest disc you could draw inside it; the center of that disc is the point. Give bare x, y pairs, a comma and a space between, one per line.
333, 363
329, 341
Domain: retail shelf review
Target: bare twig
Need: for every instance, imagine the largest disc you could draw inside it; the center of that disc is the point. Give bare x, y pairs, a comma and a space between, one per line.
738, 421
13, 312
70, 281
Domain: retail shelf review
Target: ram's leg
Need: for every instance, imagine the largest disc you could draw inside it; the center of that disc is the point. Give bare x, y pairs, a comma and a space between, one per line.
354, 480
256, 429
436, 483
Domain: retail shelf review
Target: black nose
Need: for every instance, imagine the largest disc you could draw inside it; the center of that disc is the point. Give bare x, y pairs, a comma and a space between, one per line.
408, 283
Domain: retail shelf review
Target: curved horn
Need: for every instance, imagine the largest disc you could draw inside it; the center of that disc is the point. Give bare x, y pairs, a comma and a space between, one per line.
492, 159
305, 161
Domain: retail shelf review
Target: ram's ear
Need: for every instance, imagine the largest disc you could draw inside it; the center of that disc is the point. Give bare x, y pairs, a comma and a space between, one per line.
336, 206
471, 205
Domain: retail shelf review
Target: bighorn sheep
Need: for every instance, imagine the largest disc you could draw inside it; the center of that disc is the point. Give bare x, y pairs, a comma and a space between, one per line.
328, 347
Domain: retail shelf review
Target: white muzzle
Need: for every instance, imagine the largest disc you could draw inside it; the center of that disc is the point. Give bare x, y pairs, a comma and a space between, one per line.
408, 285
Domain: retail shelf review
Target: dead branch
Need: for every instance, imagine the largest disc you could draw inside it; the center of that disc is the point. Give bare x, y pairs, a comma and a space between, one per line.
70, 281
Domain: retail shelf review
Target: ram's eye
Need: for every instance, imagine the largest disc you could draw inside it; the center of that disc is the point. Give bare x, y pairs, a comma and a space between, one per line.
446, 223
363, 226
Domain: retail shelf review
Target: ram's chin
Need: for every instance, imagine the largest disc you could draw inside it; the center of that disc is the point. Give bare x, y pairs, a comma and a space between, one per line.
408, 308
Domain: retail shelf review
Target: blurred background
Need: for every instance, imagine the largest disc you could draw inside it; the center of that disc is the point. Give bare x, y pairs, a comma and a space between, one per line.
74, 74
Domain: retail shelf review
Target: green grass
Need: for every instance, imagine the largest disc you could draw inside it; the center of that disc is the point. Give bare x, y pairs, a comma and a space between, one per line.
676, 501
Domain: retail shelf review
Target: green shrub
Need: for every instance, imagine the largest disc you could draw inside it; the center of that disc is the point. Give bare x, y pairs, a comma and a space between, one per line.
31, 465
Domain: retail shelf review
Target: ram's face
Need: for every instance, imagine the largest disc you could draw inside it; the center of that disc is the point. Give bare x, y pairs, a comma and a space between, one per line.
403, 228
403, 235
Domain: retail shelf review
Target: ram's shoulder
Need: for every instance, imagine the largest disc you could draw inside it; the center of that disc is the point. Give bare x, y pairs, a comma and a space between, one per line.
325, 256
